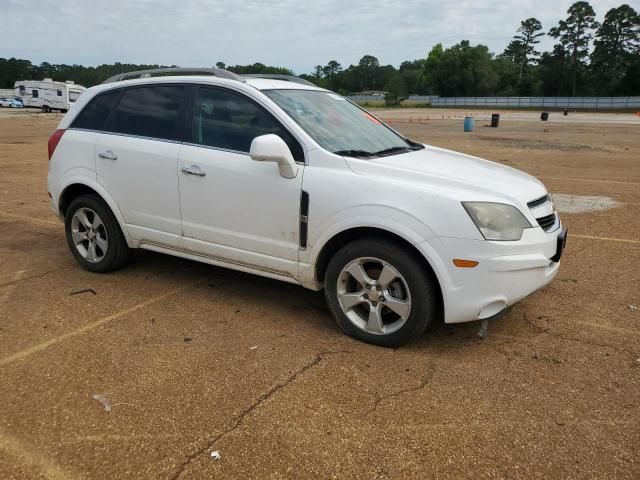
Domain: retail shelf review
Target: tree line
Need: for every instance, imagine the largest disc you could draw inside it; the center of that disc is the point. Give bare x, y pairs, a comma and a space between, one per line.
589, 57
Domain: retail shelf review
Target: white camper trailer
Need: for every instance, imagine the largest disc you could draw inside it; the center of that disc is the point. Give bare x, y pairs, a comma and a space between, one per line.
47, 94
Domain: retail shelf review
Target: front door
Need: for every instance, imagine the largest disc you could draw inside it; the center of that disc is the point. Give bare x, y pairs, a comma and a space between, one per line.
233, 208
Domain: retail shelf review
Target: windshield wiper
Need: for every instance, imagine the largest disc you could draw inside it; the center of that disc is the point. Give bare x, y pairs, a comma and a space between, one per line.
355, 153
394, 150
391, 151
381, 153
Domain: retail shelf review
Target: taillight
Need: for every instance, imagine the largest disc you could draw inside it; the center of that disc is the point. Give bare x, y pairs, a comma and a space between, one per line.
54, 140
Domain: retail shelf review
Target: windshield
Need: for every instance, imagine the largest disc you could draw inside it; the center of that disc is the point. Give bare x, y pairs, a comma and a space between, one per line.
338, 125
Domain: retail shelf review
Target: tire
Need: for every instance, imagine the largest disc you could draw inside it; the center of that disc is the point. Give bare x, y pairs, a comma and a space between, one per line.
414, 285
110, 250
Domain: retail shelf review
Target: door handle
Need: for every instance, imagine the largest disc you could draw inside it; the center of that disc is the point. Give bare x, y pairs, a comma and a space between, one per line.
193, 170
108, 155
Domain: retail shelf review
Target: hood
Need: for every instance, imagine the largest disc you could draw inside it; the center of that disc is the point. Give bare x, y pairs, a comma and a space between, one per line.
465, 177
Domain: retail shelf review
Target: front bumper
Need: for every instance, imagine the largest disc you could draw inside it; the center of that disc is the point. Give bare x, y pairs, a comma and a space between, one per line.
506, 273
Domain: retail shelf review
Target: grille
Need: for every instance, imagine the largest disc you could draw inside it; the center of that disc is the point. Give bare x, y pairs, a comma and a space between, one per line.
539, 201
547, 221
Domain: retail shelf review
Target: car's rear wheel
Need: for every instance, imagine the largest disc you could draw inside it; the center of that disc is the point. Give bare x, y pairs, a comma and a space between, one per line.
379, 292
94, 236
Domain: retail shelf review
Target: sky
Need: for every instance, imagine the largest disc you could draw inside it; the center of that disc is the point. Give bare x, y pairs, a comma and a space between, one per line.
297, 34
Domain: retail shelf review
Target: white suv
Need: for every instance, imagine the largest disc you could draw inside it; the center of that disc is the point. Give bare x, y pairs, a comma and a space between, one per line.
274, 176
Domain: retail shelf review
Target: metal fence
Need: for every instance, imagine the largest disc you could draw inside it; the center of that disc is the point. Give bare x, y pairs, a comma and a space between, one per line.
591, 103
380, 98
594, 103
7, 93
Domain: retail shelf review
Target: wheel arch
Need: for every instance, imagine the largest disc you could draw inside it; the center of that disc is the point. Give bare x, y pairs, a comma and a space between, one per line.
349, 235
77, 188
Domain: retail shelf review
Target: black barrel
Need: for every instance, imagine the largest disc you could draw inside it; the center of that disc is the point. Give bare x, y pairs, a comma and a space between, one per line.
566, 112
545, 116
495, 120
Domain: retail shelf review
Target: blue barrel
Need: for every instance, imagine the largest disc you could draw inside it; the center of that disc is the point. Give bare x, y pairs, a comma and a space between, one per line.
468, 124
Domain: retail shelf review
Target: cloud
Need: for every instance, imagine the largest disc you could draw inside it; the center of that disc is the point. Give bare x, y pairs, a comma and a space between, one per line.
290, 33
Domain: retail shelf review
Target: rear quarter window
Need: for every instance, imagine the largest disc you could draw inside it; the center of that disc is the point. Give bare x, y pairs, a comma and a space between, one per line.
94, 115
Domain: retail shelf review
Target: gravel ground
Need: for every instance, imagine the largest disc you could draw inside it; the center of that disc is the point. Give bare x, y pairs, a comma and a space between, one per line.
196, 359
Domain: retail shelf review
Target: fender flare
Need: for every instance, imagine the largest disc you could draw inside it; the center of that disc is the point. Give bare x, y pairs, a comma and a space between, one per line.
102, 193
393, 226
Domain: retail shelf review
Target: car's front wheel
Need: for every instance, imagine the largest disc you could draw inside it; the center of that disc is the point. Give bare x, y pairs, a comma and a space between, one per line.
94, 236
380, 293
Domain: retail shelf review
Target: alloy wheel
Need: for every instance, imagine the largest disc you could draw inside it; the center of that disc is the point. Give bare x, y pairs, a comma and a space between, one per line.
374, 296
89, 235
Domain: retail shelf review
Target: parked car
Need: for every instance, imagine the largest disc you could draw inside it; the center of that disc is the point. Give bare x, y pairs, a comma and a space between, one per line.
277, 177
10, 103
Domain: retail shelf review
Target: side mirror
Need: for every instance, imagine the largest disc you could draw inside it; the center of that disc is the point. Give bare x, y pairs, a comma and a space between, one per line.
271, 148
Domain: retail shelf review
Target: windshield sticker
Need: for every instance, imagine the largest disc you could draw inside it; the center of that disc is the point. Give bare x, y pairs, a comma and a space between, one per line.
373, 119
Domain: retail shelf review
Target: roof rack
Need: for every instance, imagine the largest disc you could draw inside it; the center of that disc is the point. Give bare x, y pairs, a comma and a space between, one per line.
286, 78
217, 72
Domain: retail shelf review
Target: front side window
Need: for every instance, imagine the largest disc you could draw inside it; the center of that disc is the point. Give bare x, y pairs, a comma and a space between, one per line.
34, 93
152, 111
338, 125
94, 115
230, 121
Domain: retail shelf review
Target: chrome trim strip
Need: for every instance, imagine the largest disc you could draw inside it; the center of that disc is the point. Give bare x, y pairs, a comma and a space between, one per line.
219, 149
125, 135
173, 141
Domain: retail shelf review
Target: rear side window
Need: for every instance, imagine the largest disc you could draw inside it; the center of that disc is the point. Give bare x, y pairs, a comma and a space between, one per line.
94, 115
152, 111
231, 121
34, 93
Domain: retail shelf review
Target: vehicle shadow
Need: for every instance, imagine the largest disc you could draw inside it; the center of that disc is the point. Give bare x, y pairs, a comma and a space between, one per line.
292, 305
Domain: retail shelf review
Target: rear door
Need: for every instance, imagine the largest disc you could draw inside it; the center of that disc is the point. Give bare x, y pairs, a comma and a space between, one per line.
233, 207
137, 161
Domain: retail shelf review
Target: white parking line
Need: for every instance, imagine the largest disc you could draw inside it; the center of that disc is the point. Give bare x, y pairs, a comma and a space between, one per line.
6, 293
90, 326
590, 180
24, 219
607, 239
611, 328
33, 459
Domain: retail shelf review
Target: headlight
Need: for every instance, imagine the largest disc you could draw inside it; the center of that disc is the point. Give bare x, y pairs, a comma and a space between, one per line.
497, 221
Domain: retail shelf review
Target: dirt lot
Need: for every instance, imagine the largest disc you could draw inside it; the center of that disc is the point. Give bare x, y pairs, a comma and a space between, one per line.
198, 359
